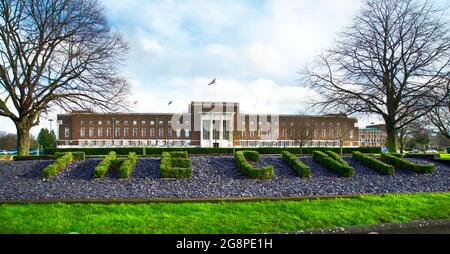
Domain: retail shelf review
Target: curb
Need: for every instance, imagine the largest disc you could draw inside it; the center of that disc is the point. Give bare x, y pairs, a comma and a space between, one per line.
414, 227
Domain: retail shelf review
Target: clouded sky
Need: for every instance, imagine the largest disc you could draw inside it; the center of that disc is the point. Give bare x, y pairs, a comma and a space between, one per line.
254, 48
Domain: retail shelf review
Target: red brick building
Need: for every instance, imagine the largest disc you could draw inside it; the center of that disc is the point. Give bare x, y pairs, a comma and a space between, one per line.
206, 124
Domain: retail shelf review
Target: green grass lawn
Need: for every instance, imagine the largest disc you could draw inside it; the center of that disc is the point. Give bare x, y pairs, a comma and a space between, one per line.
444, 156
224, 217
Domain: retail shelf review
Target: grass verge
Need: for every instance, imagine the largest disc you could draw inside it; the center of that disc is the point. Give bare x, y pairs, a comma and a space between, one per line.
224, 217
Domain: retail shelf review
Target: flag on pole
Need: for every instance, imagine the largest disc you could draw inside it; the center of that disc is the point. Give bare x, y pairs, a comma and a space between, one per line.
170, 102
212, 82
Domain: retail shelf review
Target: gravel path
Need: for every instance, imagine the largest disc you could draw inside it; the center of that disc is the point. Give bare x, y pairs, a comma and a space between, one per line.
213, 176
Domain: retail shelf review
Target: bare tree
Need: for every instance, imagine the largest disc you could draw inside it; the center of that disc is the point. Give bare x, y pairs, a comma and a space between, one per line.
57, 53
440, 117
389, 62
303, 135
343, 134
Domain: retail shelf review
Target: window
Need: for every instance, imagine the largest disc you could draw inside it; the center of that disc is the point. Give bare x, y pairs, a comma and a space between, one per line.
100, 132
226, 132
216, 134
125, 122
108, 122
161, 122
82, 122
186, 133
152, 122
135, 131
66, 132
108, 132
252, 133
91, 132
243, 133
178, 133
117, 133
331, 133
143, 122
144, 132
351, 133
324, 133
134, 122
152, 132
126, 132
206, 133
117, 122
169, 133
316, 133
91, 122
161, 132
100, 122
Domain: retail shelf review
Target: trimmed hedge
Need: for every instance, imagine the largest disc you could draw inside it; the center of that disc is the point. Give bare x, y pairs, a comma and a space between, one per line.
248, 170
374, 163
333, 165
205, 150
103, 167
398, 155
78, 156
336, 157
404, 164
179, 166
448, 149
302, 169
33, 157
58, 165
6, 157
127, 166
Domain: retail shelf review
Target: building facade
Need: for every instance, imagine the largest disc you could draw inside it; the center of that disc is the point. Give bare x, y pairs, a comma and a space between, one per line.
206, 124
373, 136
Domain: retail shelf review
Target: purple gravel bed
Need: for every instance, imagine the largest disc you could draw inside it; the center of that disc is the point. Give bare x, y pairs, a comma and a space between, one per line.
213, 176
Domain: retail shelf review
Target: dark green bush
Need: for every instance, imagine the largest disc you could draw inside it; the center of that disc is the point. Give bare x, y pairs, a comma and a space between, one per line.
205, 150
78, 156
448, 149
33, 157
398, 155
333, 165
248, 170
181, 154
127, 166
103, 167
292, 160
176, 167
252, 155
405, 164
336, 157
374, 163
58, 165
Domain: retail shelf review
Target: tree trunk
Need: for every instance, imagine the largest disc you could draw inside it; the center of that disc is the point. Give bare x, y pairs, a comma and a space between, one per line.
402, 140
23, 136
391, 139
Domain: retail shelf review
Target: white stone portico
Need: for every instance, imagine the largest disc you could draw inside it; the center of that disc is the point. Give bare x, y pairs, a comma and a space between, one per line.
214, 133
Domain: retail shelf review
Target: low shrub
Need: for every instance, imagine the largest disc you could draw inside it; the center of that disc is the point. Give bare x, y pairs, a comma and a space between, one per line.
373, 163
208, 150
404, 164
333, 165
302, 169
444, 156
448, 149
58, 165
6, 157
33, 157
127, 166
336, 157
179, 166
398, 155
248, 170
78, 156
103, 167
181, 154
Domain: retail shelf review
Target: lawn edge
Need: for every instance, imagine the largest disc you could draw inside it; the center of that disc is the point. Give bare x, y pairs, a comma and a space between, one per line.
197, 200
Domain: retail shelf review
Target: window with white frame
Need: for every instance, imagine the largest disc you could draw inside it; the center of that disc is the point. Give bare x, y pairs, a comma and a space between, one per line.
178, 133
100, 132
144, 132
91, 132
126, 132
135, 132
186, 133
117, 133
66, 132
152, 132
161, 132
108, 132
